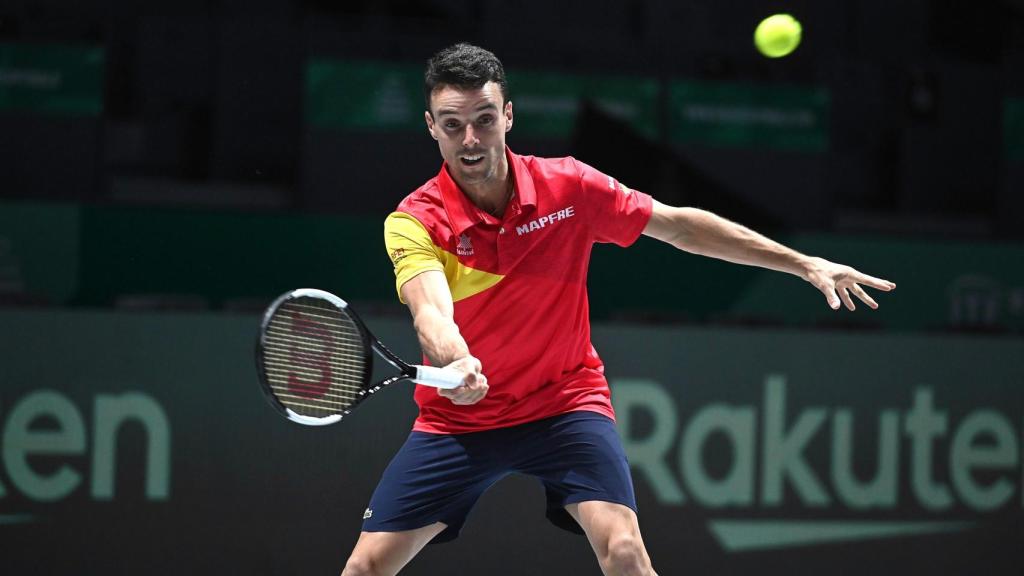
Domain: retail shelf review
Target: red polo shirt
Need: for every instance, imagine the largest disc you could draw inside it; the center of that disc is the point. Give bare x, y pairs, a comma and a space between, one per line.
519, 285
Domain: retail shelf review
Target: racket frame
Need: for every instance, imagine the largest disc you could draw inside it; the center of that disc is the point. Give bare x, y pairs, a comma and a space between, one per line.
406, 371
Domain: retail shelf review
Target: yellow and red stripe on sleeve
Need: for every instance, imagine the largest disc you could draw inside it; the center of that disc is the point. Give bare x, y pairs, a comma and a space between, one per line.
412, 252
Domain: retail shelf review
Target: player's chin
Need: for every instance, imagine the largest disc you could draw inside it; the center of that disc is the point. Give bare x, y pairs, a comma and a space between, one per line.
471, 177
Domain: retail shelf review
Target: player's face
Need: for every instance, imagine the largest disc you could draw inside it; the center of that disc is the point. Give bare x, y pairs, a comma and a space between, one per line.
469, 126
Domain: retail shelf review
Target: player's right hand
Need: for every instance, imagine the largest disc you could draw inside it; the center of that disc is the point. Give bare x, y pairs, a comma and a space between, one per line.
474, 383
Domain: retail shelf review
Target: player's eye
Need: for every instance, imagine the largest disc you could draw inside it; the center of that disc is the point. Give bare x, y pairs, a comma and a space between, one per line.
485, 120
451, 124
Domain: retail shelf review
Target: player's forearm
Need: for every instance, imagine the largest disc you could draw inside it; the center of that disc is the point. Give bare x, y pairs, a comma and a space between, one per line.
702, 232
439, 337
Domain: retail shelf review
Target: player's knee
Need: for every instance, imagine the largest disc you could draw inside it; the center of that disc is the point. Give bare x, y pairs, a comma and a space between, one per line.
625, 555
362, 565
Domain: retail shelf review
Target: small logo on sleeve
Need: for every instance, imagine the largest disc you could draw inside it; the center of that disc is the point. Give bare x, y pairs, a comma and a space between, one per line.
396, 255
368, 514
465, 247
612, 185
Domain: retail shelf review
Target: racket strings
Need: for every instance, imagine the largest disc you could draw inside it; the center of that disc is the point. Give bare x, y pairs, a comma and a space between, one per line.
314, 357
343, 344
313, 370
303, 359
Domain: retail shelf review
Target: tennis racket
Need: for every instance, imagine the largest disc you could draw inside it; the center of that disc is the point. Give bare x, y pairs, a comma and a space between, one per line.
314, 359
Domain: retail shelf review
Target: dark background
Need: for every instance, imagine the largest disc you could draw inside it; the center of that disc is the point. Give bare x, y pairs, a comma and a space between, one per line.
203, 105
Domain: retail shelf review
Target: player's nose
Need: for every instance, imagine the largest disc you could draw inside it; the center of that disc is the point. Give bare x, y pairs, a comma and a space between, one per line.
470, 139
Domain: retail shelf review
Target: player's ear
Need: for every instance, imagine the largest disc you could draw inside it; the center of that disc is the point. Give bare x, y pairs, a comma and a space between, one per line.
430, 124
508, 116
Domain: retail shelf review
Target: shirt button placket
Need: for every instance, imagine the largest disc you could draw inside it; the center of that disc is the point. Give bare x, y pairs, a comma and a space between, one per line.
500, 246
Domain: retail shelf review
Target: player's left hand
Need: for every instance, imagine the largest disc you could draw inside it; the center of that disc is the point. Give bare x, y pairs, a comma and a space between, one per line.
837, 281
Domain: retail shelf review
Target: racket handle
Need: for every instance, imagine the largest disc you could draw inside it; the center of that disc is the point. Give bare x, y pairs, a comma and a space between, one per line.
438, 377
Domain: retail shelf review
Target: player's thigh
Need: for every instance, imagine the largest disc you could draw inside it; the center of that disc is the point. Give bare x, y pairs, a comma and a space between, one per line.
604, 522
387, 552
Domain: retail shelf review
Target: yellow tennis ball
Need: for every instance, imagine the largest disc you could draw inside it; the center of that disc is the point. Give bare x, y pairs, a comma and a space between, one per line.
777, 35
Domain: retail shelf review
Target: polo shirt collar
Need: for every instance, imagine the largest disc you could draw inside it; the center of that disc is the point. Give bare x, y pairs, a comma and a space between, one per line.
463, 214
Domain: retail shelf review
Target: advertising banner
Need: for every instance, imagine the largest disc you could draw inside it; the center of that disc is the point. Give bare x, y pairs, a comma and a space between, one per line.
550, 102
365, 95
141, 443
798, 452
52, 79
44, 265
749, 116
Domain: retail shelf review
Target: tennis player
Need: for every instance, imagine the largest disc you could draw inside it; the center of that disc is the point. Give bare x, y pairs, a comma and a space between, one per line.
491, 258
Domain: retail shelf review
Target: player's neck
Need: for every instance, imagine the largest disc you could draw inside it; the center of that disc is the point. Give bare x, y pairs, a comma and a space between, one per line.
493, 195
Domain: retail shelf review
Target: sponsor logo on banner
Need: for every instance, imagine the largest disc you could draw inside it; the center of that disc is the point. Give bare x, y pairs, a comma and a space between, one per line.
753, 464
66, 435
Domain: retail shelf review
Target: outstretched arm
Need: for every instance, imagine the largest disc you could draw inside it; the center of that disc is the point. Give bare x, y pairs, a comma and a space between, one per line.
430, 303
701, 232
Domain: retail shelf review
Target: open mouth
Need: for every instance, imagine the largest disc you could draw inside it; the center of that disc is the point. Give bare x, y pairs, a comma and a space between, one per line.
471, 160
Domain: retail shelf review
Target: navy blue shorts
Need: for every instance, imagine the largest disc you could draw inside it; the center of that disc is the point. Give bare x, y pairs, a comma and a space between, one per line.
439, 477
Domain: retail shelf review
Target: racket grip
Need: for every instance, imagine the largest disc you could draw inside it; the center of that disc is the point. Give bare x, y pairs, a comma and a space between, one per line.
438, 377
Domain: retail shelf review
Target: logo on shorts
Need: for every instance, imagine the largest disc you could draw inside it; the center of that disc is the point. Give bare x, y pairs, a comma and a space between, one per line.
465, 247
368, 514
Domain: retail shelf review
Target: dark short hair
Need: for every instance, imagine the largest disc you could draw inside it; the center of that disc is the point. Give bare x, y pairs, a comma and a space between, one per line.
463, 66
